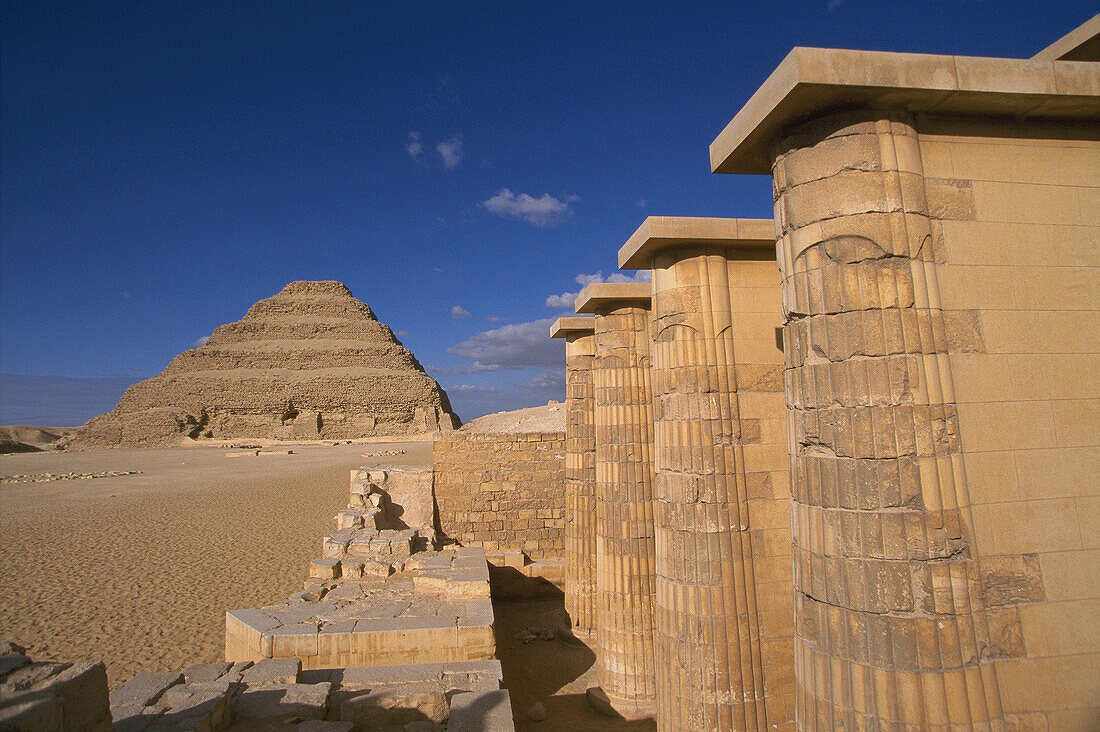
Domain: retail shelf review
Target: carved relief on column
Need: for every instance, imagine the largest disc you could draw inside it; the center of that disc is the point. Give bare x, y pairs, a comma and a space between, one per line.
625, 584
889, 629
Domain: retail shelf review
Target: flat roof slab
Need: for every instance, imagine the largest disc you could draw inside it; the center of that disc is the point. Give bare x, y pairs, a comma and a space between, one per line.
605, 293
662, 232
1080, 44
813, 81
569, 325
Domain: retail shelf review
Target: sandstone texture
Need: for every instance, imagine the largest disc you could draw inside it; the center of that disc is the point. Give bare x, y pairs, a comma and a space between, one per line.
310, 363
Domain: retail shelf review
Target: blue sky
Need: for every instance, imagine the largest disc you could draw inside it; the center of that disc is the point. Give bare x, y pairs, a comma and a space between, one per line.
165, 165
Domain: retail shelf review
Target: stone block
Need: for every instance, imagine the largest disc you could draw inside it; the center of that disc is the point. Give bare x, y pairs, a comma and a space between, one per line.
273, 671
486, 712
30, 675
145, 689
324, 569
40, 714
199, 673
315, 725
283, 703
391, 706
372, 568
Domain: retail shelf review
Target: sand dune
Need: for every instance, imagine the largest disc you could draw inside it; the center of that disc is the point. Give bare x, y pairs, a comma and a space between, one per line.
32, 436
138, 570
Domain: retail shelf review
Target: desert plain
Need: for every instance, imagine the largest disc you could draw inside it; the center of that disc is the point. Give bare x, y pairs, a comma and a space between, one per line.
138, 570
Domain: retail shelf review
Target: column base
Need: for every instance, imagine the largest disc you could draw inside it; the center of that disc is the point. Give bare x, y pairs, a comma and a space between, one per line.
630, 709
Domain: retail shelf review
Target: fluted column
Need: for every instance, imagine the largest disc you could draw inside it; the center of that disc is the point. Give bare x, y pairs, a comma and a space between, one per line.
889, 628
580, 472
625, 583
710, 670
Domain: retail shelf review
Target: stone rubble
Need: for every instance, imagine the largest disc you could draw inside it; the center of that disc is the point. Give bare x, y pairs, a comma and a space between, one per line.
49, 477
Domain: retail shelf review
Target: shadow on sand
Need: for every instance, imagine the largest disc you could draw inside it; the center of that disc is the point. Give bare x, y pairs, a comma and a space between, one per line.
554, 672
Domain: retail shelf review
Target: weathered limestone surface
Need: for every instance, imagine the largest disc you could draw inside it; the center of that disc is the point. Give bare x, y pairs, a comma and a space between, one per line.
890, 625
625, 549
312, 362
724, 653
430, 607
398, 499
51, 696
580, 471
278, 694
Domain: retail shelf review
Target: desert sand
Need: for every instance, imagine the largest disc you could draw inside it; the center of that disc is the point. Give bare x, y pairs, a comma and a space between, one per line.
138, 570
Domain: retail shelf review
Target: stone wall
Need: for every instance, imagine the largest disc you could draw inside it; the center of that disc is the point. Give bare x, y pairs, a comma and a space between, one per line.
1018, 221
502, 492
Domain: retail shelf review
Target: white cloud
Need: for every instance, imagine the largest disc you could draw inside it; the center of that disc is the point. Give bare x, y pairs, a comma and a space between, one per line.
414, 147
564, 300
642, 275
476, 368
513, 346
451, 151
537, 211
550, 379
200, 341
471, 390
459, 312
401, 333
494, 318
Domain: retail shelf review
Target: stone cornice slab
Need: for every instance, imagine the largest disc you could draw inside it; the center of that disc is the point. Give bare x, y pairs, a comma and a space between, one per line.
812, 81
593, 296
661, 232
571, 325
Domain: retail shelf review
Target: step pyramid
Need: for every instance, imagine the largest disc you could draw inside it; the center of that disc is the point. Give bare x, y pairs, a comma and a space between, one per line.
312, 362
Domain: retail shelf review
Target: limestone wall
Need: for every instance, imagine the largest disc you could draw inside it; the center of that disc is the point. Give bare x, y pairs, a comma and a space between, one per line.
1018, 211
502, 492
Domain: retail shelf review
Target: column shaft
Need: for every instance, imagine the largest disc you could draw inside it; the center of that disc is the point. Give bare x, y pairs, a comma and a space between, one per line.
624, 509
580, 483
889, 630
709, 672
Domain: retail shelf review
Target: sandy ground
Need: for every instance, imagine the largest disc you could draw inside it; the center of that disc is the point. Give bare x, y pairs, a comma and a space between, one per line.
139, 570
553, 673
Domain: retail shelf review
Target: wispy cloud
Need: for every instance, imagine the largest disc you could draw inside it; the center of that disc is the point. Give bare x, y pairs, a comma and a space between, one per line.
401, 333
538, 211
414, 147
476, 368
567, 299
549, 379
494, 318
513, 346
564, 300
642, 275
459, 312
200, 341
451, 152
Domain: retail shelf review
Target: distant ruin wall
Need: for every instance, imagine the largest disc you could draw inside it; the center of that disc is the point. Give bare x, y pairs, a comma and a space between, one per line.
503, 492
